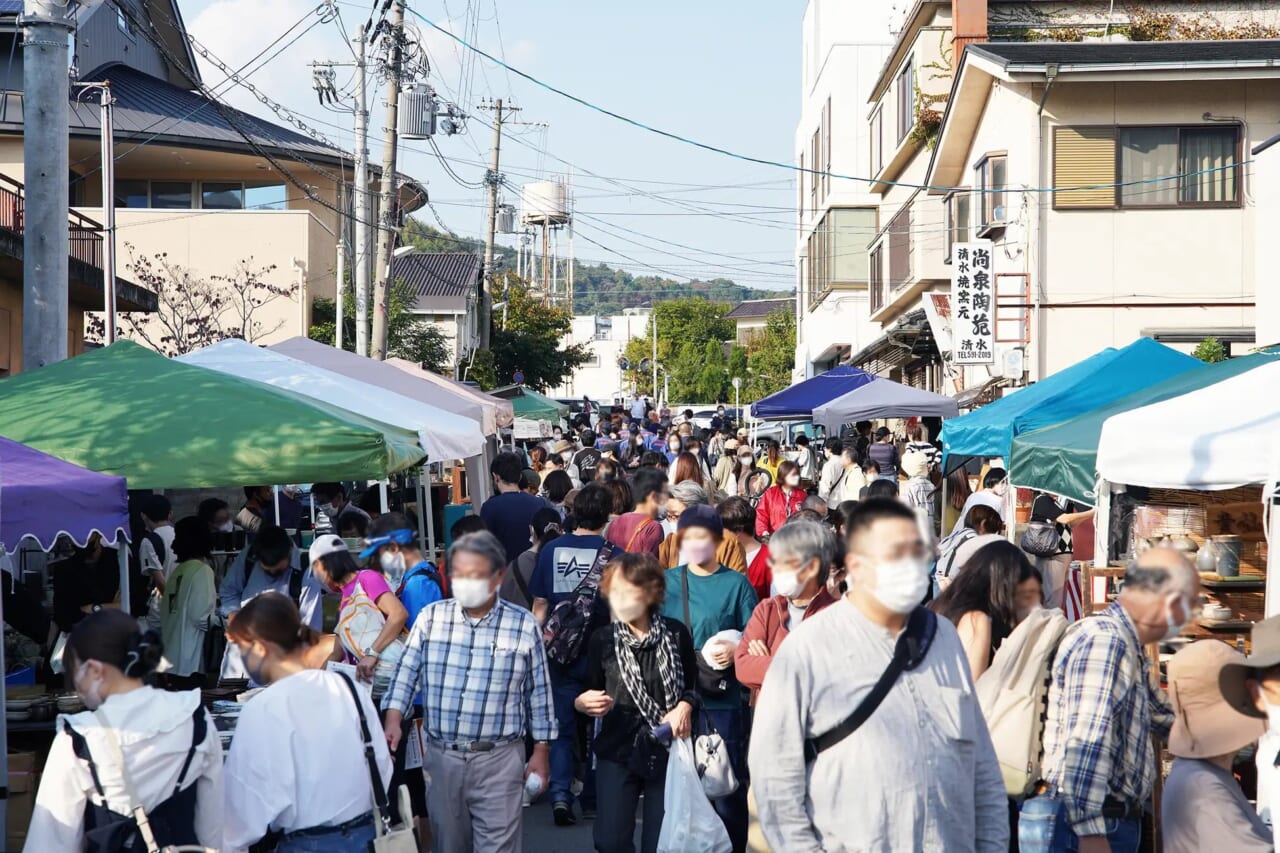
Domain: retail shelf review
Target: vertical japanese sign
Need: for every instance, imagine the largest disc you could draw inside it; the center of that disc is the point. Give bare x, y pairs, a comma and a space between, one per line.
973, 329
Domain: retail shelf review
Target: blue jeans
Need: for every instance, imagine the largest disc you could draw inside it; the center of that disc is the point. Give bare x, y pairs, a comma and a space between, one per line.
1043, 828
567, 683
337, 841
732, 725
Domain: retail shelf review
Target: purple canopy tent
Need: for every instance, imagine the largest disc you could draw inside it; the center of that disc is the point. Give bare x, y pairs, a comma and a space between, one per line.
42, 497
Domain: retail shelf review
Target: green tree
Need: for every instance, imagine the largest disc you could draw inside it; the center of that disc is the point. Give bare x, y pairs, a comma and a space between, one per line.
408, 336
771, 356
737, 362
528, 338
1210, 350
696, 322
715, 376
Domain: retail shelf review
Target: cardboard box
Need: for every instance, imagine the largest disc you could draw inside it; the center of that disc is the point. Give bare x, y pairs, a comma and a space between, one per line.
21, 762
22, 801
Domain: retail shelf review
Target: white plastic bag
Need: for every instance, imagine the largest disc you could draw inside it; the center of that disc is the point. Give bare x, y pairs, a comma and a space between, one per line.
690, 824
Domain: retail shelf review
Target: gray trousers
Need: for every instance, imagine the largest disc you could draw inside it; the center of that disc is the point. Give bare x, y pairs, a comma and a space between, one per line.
475, 799
1054, 572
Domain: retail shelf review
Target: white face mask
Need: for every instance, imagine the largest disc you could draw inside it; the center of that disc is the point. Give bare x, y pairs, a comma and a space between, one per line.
793, 480
392, 566
746, 460
627, 610
91, 693
901, 584
668, 526
472, 592
227, 526
786, 584
1174, 628
330, 510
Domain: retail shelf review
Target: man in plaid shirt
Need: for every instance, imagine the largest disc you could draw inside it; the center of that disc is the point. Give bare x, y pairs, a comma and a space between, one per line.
480, 666
1099, 767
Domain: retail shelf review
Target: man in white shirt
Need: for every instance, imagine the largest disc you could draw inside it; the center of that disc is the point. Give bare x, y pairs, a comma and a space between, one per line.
155, 552
832, 471
637, 408
805, 459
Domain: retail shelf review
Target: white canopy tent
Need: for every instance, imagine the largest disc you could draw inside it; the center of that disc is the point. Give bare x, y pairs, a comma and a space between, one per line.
404, 378
1218, 437
443, 434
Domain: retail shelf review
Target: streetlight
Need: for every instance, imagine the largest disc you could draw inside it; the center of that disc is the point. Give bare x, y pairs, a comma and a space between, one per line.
737, 394
653, 326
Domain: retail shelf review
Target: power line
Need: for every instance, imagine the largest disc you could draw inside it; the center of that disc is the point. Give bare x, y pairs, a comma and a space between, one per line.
715, 149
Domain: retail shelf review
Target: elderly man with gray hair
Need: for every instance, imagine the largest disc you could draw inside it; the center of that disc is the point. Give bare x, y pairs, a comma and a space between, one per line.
1099, 768
684, 495
481, 669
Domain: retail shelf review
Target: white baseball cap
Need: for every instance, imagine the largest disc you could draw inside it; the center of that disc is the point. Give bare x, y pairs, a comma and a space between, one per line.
324, 545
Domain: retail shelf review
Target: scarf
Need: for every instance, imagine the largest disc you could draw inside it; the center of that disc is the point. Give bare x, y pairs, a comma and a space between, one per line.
670, 670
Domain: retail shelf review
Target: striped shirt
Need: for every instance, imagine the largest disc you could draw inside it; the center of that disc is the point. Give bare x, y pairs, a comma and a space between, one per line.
1103, 710
481, 680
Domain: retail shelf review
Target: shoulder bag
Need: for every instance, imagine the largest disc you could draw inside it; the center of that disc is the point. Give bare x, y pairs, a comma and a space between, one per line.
1041, 539
712, 683
711, 757
388, 839
565, 634
908, 653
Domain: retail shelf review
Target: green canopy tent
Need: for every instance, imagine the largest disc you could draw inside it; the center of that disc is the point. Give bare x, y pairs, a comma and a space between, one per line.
1062, 458
531, 405
128, 411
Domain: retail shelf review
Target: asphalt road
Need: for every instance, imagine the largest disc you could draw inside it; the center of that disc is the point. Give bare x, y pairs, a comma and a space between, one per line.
541, 835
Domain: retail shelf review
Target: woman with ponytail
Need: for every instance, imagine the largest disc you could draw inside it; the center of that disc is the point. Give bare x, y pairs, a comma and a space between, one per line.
297, 767
134, 746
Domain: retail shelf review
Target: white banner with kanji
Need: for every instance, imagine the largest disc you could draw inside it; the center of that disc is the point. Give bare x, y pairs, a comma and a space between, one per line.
972, 303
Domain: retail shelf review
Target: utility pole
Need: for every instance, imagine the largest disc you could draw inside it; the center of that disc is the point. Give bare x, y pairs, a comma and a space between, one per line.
388, 207
108, 148
46, 237
360, 186
493, 177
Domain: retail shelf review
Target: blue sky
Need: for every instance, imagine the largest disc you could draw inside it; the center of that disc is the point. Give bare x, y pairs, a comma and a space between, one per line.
721, 72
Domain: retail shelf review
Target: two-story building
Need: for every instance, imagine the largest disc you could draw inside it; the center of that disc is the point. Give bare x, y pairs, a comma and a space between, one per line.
602, 378
442, 288
1102, 100
209, 187
752, 315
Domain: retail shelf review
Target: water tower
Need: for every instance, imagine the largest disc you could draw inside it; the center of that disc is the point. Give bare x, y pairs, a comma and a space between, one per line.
545, 205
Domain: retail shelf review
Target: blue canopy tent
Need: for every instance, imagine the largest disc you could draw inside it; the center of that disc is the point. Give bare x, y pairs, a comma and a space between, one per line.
1098, 380
801, 399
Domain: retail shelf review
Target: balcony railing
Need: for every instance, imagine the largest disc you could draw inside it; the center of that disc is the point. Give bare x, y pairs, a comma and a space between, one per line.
85, 234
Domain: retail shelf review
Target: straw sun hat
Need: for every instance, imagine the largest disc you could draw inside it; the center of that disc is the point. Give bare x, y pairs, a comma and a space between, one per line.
1206, 724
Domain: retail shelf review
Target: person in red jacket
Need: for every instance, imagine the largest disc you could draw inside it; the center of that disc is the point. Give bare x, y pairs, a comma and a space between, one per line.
739, 518
780, 501
801, 555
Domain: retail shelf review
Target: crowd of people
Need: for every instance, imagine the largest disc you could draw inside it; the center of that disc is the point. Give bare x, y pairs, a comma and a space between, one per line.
841, 645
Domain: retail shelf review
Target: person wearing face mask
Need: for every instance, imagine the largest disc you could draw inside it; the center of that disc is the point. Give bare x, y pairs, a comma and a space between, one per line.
480, 666
1098, 767
562, 453
641, 674
683, 496
393, 546
217, 514
726, 473
640, 531
800, 558
134, 746
1201, 805
331, 499
780, 501
995, 483
1064, 514
710, 598
924, 744
1252, 687
989, 595
257, 507
271, 564
674, 447
313, 787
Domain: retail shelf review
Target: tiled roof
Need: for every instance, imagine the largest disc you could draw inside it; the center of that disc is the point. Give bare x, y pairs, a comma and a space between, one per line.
1008, 54
437, 273
150, 107
756, 308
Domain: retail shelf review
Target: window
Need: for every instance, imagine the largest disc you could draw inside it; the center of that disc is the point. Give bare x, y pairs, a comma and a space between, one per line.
958, 213
877, 278
1137, 158
899, 240
171, 195
877, 141
837, 252
131, 194
266, 196
906, 99
123, 23
991, 181
593, 360
220, 196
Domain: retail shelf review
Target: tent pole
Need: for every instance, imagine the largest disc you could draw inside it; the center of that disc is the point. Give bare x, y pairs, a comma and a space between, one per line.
382, 492
1102, 524
429, 514
123, 552
423, 479
275, 495
1271, 603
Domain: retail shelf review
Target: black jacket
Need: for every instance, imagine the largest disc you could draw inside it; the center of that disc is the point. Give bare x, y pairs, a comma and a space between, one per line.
618, 728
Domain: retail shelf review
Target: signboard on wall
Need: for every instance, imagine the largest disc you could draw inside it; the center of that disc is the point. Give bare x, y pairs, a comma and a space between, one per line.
972, 304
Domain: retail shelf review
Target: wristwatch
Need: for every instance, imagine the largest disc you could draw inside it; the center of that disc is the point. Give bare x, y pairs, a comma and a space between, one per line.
97, 608
370, 653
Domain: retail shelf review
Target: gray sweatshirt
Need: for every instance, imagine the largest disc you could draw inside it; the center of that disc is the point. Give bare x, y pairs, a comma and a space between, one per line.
919, 775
